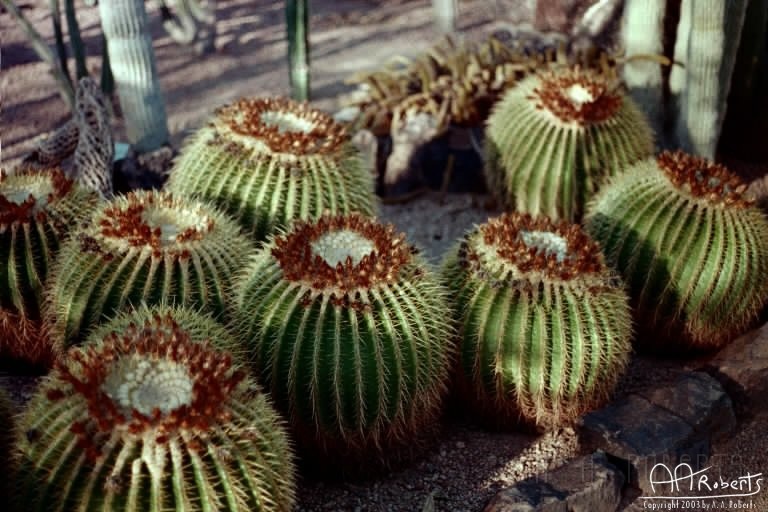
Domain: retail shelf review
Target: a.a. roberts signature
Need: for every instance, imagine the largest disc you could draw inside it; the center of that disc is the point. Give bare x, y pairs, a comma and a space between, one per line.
698, 482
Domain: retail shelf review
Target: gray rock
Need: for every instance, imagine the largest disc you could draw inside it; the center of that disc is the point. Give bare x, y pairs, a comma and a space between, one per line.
585, 484
670, 425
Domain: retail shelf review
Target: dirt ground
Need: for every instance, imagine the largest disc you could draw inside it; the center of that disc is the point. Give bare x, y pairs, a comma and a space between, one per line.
468, 465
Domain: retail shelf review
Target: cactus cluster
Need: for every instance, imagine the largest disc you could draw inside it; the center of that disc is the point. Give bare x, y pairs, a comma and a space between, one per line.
37, 211
268, 161
554, 137
146, 247
152, 417
692, 248
348, 330
546, 326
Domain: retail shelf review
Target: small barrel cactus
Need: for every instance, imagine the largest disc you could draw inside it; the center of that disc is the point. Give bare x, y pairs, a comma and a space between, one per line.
556, 135
268, 161
148, 247
692, 249
37, 211
152, 417
349, 333
546, 325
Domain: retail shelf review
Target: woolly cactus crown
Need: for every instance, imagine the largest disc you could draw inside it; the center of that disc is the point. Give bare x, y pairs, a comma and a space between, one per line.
160, 420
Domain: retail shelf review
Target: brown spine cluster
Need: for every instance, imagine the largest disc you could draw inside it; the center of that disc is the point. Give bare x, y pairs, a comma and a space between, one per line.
11, 212
128, 223
294, 253
703, 178
244, 118
552, 95
503, 233
86, 369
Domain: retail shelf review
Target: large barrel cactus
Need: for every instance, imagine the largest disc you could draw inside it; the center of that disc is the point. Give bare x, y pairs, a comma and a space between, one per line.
556, 135
546, 326
148, 247
268, 161
37, 211
692, 248
152, 417
349, 332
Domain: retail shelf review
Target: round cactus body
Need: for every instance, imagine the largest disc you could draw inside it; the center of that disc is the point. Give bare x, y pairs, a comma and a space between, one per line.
554, 137
692, 249
147, 247
349, 331
37, 211
268, 161
546, 325
151, 417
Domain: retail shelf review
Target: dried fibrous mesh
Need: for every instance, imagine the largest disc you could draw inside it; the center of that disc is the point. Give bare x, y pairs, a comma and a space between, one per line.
95, 147
55, 148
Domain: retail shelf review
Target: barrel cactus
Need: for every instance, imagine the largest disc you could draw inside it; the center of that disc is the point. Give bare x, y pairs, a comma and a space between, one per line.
270, 160
692, 248
152, 417
546, 326
37, 211
147, 246
348, 330
556, 135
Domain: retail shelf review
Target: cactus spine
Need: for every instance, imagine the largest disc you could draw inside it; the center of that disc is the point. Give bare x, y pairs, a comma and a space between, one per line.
147, 247
349, 333
268, 161
693, 250
152, 418
37, 211
546, 327
556, 135
132, 60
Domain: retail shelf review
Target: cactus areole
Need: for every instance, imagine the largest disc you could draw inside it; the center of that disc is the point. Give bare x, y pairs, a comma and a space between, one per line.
703, 179
577, 96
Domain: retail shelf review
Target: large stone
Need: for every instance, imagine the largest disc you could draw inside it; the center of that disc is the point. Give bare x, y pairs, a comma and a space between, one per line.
742, 366
586, 484
670, 425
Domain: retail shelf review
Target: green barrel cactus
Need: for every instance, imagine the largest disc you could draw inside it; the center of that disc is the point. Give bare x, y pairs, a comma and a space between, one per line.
546, 326
146, 247
692, 249
349, 332
149, 418
554, 137
37, 211
268, 161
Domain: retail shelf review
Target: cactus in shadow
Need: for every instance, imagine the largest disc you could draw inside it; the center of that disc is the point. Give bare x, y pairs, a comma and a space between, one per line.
152, 416
146, 247
545, 324
349, 332
132, 60
38, 209
692, 248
